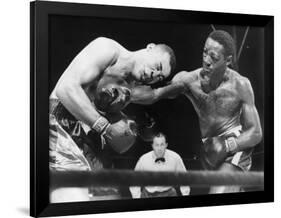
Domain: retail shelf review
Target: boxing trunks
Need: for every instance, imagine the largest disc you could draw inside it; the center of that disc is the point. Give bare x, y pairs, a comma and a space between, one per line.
69, 146
65, 140
241, 159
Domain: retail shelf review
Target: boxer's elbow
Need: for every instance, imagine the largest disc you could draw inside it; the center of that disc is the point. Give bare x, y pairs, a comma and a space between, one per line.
257, 136
62, 91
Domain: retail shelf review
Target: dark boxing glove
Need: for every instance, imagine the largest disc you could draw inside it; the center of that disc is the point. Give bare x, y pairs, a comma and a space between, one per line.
216, 149
111, 96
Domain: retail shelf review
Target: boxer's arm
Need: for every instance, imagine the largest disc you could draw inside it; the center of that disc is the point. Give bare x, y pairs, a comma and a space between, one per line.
147, 95
84, 69
252, 132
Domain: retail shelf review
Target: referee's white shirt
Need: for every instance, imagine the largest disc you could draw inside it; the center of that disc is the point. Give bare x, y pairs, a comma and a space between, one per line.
173, 163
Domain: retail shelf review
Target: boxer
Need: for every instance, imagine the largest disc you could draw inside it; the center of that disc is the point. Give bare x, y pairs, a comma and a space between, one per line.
224, 101
89, 97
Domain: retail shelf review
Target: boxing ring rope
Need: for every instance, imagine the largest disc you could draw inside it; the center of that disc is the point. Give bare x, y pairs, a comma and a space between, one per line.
143, 178
213, 27
242, 44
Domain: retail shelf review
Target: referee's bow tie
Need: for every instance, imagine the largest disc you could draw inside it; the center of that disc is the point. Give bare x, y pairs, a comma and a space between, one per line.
159, 160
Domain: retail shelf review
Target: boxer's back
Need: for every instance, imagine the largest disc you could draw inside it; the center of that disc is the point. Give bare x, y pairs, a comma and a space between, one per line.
92, 63
218, 110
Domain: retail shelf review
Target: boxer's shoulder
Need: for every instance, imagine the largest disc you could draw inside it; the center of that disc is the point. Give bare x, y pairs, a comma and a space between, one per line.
104, 46
104, 41
245, 90
194, 75
242, 83
235, 76
186, 77
98, 54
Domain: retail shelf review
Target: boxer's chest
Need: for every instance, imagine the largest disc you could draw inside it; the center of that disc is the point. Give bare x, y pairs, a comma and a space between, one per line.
223, 101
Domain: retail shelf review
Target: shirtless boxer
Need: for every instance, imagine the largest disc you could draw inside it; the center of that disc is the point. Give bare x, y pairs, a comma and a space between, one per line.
224, 101
90, 95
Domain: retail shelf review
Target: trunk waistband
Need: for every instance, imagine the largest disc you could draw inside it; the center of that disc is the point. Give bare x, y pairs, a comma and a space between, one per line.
57, 109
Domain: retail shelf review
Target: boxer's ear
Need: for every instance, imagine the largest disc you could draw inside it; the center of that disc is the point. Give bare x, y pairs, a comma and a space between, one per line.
150, 46
229, 60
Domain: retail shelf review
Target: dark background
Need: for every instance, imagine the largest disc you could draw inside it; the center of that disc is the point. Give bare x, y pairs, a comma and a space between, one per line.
68, 35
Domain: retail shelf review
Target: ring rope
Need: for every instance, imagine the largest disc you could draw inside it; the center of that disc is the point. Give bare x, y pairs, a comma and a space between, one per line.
242, 44
143, 178
185, 159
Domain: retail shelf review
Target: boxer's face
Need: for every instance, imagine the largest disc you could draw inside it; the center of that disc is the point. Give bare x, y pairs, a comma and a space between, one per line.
159, 146
153, 66
113, 97
214, 61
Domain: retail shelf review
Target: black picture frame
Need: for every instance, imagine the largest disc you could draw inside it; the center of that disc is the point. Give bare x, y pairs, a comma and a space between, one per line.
40, 12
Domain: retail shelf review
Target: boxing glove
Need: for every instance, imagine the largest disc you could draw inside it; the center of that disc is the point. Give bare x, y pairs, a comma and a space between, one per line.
216, 149
116, 131
121, 135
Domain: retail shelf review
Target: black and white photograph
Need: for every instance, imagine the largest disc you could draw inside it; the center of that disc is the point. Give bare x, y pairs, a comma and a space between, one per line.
112, 101
166, 109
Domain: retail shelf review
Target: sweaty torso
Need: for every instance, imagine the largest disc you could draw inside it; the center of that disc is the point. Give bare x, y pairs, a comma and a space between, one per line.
219, 110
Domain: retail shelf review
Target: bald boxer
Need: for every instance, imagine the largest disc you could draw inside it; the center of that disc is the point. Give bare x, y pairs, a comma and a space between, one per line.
224, 101
90, 96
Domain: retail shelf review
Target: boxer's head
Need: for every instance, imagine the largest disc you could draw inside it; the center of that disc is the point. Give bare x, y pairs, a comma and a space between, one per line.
111, 95
154, 63
218, 53
159, 145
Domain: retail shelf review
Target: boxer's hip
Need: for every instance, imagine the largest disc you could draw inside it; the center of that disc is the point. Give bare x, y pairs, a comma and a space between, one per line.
65, 140
69, 140
65, 119
69, 148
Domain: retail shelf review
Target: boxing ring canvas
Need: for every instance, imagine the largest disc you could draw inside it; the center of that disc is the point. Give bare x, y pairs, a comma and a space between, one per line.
59, 31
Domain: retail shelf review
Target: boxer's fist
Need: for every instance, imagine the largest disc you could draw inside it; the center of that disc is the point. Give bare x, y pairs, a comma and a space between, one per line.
120, 135
214, 151
111, 95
